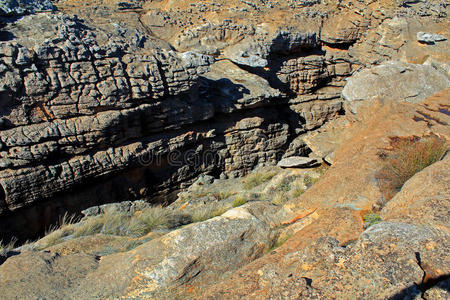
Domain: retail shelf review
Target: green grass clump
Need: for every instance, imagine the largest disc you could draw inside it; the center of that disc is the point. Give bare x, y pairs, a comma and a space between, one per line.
255, 179
239, 201
149, 219
371, 219
113, 222
407, 157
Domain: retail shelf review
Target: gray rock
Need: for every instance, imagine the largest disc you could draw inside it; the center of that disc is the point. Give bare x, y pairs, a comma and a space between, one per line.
393, 80
297, 162
430, 38
21, 7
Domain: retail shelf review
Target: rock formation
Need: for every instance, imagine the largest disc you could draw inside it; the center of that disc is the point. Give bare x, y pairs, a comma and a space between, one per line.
110, 101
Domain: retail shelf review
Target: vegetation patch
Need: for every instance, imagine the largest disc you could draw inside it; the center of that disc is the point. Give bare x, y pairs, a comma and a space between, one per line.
204, 214
407, 157
280, 242
309, 181
256, 179
5, 248
239, 201
371, 219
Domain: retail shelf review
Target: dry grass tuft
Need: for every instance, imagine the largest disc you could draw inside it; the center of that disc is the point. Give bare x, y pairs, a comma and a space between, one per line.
407, 157
5, 248
206, 213
255, 179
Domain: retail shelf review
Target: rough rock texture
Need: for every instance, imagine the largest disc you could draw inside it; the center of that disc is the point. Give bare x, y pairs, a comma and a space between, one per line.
393, 80
20, 7
386, 261
136, 99
198, 254
81, 107
326, 257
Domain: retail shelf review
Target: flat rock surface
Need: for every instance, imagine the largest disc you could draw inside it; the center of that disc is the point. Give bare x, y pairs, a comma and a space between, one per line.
297, 162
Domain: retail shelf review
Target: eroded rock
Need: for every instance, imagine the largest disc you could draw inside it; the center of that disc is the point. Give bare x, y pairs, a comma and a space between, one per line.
393, 80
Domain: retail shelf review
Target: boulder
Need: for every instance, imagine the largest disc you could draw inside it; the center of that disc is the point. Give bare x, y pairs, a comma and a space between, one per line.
393, 80
429, 38
297, 162
345, 28
197, 254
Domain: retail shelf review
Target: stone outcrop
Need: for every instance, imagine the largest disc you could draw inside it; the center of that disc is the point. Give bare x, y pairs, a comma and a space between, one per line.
82, 107
393, 80
328, 256
200, 253
110, 101
389, 260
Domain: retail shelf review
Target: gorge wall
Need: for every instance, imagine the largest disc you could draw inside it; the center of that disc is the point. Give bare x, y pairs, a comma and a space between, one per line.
134, 100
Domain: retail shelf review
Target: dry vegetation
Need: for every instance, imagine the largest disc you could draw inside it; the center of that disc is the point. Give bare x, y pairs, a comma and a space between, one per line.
115, 222
407, 157
157, 218
255, 179
6, 247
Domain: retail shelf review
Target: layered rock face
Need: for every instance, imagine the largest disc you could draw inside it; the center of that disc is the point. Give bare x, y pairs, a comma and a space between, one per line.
106, 101
136, 107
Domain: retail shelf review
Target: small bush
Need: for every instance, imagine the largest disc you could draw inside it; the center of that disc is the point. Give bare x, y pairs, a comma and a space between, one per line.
407, 157
297, 192
280, 198
239, 201
255, 179
371, 219
286, 184
309, 181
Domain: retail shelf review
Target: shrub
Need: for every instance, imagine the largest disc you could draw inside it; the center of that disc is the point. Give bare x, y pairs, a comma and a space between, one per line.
280, 198
285, 185
255, 179
371, 219
407, 157
297, 192
239, 201
309, 181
